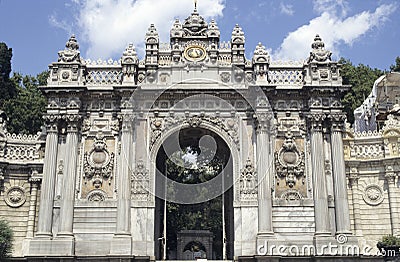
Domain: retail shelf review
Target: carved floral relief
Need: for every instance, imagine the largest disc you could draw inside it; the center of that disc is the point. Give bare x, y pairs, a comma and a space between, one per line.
98, 168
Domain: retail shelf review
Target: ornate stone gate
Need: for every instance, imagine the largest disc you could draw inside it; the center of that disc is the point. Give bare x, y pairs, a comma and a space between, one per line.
106, 120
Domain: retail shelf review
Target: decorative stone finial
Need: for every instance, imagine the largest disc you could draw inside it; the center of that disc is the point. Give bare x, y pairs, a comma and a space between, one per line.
237, 31
130, 56
129, 62
261, 60
195, 5
213, 30
237, 35
318, 52
195, 25
176, 30
72, 43
260, 50
71, 52
152, 34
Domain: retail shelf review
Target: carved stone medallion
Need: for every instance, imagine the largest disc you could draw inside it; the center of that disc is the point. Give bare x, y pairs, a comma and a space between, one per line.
15, 196
195, 53
373, 195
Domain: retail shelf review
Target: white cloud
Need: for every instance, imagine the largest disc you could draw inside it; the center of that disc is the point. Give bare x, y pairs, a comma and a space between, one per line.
286, 9
334, 30
331, 6
62, 24
109, 25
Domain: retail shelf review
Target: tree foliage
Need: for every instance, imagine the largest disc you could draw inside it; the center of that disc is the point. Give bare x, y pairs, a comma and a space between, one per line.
20, 97
361, 78
201, 216
7, 87
6, 240
24, 112
396, 66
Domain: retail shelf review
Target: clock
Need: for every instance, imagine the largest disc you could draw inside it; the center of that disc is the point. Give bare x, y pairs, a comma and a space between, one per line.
195, 53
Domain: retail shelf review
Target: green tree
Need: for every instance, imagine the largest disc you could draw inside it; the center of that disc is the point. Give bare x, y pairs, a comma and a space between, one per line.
361, 78
24, 112
396, 66
7, 87
6, 240
206, 215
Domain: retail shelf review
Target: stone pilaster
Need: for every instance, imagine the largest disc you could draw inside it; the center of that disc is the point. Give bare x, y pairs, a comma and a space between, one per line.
355, 193
339, 175
322, 225
264, 169
35, 181
394, 211
45, 219
68, 189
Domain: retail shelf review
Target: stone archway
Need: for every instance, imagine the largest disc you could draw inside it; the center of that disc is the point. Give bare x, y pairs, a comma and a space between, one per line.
222, 224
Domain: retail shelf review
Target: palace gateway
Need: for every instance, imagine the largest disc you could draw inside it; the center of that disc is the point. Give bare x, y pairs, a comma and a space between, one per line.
130, 145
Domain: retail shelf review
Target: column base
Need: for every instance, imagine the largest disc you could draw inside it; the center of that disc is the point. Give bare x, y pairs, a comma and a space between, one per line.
121, 244
322, 241
42, 235
65, 235
264, 241
52, 247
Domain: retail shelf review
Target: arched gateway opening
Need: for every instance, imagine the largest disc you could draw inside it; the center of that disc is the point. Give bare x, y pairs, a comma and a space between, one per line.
194, 205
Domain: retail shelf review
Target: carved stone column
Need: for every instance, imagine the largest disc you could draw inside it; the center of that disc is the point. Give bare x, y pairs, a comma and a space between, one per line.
122, 241
322, 225
35, 181
394, 213
264, 169
123, 178
45, 219
68, 189
355, 193
339, 175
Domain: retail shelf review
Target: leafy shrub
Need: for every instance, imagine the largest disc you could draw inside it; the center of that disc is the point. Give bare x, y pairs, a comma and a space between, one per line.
6, 240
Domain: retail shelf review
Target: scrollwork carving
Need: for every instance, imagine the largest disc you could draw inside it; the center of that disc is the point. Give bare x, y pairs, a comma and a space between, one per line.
51, 122
289, 162
337, 121
160, 125
97, 196
291, 195
140, 181
263, 121
98, 163
248, 182
316, 120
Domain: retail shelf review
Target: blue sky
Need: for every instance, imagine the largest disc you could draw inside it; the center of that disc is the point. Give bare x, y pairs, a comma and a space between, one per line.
364, 31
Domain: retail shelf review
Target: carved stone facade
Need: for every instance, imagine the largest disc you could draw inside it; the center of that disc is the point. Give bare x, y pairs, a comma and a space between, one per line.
88, 183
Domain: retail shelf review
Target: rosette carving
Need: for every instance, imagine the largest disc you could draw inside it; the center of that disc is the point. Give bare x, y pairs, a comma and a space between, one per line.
373, 195
15, 196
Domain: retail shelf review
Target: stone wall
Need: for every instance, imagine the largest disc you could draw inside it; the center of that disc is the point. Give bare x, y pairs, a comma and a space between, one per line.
21, 160
372, 167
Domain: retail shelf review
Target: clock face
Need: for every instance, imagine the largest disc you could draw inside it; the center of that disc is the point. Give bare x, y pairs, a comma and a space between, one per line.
195, 53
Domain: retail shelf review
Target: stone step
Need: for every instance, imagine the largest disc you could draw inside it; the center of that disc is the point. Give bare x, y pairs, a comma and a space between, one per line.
198, 260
